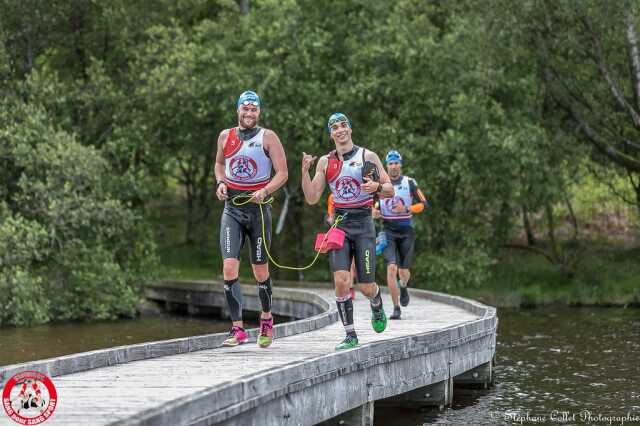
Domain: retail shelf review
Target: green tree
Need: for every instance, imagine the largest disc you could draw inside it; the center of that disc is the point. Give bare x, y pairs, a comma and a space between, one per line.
70, 248
590, 63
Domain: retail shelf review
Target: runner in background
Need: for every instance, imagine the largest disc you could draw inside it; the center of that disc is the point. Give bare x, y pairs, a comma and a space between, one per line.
396, 214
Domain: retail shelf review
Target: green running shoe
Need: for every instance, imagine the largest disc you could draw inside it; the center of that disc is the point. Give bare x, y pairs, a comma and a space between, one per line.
266, 332
349, 342
378, 319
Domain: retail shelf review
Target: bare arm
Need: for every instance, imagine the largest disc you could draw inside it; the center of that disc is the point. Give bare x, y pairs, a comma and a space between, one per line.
221, 190
313, 189
385, 182
279, 161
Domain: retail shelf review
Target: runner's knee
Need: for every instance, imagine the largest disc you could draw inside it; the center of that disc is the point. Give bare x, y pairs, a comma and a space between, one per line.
405, 274
342, 278
392, 268
368, 289
260, 272
230, 268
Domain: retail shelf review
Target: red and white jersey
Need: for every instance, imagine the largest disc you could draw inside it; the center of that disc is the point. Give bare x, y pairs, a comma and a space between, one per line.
402, 191
247, 166
345, 180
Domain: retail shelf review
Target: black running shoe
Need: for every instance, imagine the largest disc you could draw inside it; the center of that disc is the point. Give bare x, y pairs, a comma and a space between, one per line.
404, 296
396, 313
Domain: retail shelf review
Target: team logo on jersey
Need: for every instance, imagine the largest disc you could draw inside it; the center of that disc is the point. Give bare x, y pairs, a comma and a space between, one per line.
29, 398
243, 167
347, 188
390, 203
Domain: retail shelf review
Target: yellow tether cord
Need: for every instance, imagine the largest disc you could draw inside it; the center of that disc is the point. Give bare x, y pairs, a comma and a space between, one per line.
236, 202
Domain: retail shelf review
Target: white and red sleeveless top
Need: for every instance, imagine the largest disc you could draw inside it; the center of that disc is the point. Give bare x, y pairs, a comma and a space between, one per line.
402, 196
246, 165
345, 178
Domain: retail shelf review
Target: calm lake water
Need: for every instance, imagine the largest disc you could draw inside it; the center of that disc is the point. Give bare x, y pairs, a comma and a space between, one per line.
46, 341
579, 361
550, 360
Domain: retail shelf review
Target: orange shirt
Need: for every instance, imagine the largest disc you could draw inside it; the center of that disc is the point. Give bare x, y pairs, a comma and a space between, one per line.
330, 205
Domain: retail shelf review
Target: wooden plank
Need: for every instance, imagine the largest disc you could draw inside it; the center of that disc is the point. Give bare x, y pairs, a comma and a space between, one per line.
124, 391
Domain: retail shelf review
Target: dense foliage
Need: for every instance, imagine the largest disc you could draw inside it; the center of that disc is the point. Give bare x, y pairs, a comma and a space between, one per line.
498, 108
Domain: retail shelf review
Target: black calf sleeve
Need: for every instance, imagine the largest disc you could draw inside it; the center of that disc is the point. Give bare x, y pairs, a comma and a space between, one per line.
264, 291
345, 310
233, 293
376, 300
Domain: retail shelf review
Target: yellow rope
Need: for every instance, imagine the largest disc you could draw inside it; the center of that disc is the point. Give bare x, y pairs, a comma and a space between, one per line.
249, 198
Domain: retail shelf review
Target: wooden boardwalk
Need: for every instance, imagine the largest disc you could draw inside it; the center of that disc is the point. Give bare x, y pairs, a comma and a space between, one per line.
250, 385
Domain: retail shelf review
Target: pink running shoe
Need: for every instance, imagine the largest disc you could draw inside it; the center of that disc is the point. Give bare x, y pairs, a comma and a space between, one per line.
266, 332
237, 336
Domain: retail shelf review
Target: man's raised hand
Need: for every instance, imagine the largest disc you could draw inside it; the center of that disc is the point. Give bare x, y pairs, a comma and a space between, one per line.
307, 161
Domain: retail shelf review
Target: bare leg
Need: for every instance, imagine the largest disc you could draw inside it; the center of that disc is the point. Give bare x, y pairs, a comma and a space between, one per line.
342, 281
353, 272
392, 274
405, 274
368, 289
352, 292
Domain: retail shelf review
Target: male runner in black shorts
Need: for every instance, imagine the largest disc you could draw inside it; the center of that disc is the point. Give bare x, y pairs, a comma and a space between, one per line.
245, 158
345, 170
396, 213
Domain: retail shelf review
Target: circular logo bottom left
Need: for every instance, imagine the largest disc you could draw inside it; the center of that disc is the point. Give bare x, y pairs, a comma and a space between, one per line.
29, 398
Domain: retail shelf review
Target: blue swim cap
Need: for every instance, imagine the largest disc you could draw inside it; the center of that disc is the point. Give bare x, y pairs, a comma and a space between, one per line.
249, 98
393, 155
337, 117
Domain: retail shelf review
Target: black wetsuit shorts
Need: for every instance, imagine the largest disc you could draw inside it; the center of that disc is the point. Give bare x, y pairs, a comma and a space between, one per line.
400, 244
240, 222
360, 244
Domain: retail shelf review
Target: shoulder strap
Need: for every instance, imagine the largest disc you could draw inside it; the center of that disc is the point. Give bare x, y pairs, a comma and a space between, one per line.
334, 166
232, 145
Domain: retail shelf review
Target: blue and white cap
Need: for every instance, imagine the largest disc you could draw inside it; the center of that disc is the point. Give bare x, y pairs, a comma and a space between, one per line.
337, 117
249, 98
393, 155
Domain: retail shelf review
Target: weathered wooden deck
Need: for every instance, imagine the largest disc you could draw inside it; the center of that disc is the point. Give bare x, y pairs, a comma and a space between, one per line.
301, 379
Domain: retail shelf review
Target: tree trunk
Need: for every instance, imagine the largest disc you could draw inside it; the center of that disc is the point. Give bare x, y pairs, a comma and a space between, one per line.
78, 28
567, 267
244, 6
531, 239
188, 181
572, 216
551, 233
205, 196
189, 234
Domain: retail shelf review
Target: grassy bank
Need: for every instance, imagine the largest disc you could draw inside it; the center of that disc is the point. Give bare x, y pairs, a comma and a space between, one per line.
607, 274
607, 277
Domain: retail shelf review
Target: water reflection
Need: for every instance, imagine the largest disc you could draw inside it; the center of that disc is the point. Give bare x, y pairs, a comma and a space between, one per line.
550, 361
45, 341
